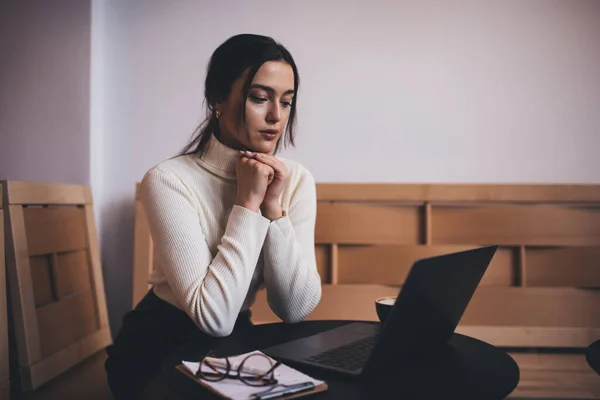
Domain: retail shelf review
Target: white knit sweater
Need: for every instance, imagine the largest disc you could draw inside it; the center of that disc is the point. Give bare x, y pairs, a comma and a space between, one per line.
213, 256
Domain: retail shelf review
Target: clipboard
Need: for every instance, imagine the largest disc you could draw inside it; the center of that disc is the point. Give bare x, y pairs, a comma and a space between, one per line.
237, 390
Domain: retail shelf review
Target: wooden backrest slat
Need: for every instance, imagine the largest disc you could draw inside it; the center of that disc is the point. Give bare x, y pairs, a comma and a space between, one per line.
534, 307
368, 224
439, 192
65, 322
490, 306
54, 230
516, 225
390, 264
323, 257
563, 267
39, 193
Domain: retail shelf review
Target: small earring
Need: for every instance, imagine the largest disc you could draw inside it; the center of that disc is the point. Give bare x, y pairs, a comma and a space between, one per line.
218, 113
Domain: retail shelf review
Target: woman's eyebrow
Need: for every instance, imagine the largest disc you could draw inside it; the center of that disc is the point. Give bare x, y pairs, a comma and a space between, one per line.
269, 89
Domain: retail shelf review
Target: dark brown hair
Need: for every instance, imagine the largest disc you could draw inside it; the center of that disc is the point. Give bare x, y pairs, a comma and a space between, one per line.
240, 53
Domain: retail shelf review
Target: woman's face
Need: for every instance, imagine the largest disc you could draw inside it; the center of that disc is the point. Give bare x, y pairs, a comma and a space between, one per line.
268, 108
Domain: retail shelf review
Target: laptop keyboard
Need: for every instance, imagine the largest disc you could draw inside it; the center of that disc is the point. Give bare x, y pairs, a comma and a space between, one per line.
351, 356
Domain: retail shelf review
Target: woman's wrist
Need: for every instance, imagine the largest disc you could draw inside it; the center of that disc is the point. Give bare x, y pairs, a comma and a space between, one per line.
248, 205
272, 210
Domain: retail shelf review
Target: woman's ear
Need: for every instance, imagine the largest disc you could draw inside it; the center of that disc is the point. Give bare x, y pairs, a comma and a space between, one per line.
218, 109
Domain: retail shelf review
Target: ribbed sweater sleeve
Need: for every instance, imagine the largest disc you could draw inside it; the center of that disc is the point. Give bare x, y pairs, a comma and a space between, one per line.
291, 278
210, 290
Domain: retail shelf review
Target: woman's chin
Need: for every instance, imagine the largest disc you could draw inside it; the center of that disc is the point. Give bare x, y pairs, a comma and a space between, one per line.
263, 147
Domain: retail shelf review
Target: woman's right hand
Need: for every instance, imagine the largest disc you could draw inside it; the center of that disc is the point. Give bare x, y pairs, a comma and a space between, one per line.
253, 177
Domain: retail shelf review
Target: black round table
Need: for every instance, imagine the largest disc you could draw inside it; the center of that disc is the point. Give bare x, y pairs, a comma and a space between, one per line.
466, 368
592, 355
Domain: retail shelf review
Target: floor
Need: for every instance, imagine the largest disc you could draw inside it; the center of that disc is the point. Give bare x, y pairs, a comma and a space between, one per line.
86, 381
543, 376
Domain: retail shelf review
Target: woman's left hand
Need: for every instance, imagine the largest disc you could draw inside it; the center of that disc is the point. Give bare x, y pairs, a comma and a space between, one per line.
271, 208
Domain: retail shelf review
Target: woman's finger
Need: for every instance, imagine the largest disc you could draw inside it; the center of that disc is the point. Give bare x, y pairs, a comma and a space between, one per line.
271, 161
247, 154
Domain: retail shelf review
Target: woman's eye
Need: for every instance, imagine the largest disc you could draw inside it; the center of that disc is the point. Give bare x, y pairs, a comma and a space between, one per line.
286, 103
257, 99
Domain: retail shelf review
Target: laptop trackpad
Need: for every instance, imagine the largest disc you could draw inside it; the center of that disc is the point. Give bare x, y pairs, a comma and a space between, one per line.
300, 349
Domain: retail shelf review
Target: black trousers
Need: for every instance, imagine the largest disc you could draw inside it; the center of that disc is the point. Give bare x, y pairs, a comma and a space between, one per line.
148, 334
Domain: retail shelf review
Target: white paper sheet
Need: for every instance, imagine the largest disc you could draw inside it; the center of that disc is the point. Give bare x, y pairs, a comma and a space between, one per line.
236, 390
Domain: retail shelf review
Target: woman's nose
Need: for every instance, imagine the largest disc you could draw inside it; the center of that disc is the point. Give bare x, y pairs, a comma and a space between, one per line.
274, 114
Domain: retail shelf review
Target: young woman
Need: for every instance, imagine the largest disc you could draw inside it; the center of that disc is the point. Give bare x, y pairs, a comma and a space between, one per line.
227, 218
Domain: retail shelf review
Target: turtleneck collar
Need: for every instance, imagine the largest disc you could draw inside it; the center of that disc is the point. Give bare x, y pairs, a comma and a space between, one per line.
219, 159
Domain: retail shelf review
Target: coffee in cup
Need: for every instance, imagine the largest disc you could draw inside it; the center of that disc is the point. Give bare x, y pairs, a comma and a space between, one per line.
383, 306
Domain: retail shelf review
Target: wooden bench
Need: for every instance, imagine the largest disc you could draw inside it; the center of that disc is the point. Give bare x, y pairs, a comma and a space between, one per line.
539, 291
55, 278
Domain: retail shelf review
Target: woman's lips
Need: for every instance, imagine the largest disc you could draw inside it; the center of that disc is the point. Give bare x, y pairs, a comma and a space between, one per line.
269, 134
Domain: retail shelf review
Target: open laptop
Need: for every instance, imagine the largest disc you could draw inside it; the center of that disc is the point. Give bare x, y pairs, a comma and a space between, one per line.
428, 308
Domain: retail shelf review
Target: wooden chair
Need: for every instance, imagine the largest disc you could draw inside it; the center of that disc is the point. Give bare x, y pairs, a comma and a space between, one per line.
143, 251
539, 291
55, 278
4, 367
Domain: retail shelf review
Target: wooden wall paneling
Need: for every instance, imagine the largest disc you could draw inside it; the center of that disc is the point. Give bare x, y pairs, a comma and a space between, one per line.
439, 192
261, 312
323, 257
390, 264
428, 223
517, 225
546, 317
334, 267
522, 267
490, 315
350, 302
547, 307
563, 266
338, 302
533, 317
342, 223
502, 268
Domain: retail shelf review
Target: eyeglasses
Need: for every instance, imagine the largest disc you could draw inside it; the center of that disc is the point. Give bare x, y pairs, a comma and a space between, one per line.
254, 370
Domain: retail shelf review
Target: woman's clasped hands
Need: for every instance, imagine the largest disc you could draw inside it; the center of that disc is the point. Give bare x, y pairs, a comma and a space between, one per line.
260, 180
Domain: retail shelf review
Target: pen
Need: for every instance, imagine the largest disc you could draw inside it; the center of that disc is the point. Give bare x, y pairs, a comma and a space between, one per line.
291, 389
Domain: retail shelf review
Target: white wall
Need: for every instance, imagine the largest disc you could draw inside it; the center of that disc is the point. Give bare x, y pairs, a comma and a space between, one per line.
392, 91
45, 91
